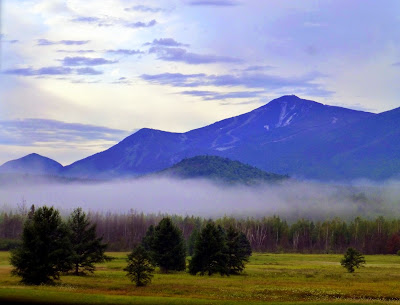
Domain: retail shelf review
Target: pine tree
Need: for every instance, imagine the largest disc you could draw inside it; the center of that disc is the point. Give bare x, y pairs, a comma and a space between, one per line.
46, 248
139, 268
192, 241
210, 252
88, 249
238, 250
352, 258
168, 247
148, 239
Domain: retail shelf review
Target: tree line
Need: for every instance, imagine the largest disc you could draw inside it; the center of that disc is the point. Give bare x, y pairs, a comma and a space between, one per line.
50, 247
268, 234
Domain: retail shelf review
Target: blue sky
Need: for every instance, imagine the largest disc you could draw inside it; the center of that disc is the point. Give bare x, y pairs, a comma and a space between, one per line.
78, 76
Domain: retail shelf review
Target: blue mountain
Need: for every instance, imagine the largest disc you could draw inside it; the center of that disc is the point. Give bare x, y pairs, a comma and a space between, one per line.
32, 164
289, 135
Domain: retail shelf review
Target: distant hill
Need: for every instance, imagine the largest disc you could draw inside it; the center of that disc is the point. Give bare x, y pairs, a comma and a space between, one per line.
219, 169
32, 164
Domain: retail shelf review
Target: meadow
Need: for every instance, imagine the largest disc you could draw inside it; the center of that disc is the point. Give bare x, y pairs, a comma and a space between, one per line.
268, 278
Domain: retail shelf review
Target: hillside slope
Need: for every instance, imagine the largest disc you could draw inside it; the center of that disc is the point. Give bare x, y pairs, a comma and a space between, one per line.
219, 169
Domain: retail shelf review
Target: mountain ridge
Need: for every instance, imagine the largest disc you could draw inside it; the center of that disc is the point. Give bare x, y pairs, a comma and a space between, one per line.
288, 135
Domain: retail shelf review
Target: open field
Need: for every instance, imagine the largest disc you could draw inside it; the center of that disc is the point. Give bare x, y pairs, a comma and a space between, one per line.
272, 278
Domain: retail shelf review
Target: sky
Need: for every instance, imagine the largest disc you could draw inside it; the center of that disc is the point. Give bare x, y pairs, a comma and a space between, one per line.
78, 76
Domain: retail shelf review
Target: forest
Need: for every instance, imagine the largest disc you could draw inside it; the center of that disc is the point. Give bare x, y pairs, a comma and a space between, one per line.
123, 231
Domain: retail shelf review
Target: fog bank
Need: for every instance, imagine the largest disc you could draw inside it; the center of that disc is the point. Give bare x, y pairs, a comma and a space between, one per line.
291, 199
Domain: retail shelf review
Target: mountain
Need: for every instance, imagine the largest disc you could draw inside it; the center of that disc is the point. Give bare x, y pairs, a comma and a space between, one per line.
285, 136
369, 148
219, 169
144, 152
289, 135
32, 164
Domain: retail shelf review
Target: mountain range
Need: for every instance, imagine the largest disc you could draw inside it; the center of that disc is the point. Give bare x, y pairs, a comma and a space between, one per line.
289, 135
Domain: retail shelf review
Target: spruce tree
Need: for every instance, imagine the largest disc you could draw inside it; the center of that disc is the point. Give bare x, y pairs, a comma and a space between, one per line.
46, 249
148, 239
139, 268
88, 249
168, 247
352, 259
192, 241
210, 252
238, 250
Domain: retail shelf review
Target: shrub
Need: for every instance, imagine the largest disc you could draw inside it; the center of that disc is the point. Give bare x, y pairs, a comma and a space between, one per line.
352, 259
139, 268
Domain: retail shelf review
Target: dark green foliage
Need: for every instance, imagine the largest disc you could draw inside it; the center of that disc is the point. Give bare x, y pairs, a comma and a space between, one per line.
220, 169
168, 247
148, 242
148, 239
192, 241
210, 252
46, 248
88, 249
352, 259
9, 244
238, 250
139, 268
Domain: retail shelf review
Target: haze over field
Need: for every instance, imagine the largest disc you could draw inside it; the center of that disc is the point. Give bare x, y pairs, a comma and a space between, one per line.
291, 199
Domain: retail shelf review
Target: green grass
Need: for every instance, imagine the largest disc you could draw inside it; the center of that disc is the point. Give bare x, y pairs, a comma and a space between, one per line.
269, 278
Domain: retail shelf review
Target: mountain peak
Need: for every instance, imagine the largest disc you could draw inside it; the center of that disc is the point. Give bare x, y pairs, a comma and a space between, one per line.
33, 155
288, 97
291, 99
32, 164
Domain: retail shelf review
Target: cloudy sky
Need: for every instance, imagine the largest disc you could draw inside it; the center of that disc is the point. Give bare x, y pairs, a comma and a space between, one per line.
78, 76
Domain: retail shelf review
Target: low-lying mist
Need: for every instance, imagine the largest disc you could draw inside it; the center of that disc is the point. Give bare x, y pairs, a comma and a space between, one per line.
290, 199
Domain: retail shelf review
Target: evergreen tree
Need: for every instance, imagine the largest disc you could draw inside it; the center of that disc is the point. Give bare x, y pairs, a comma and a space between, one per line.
168, 247
88, 249
238, 250
192, 241
148, 242
46, 249
245, 246
148, 239
352, 258
210, 252
139, 268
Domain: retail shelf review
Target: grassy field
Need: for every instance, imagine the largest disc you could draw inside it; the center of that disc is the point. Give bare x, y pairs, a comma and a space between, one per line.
268, 278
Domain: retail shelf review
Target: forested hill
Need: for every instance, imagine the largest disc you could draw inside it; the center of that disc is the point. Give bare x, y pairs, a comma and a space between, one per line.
221, 170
